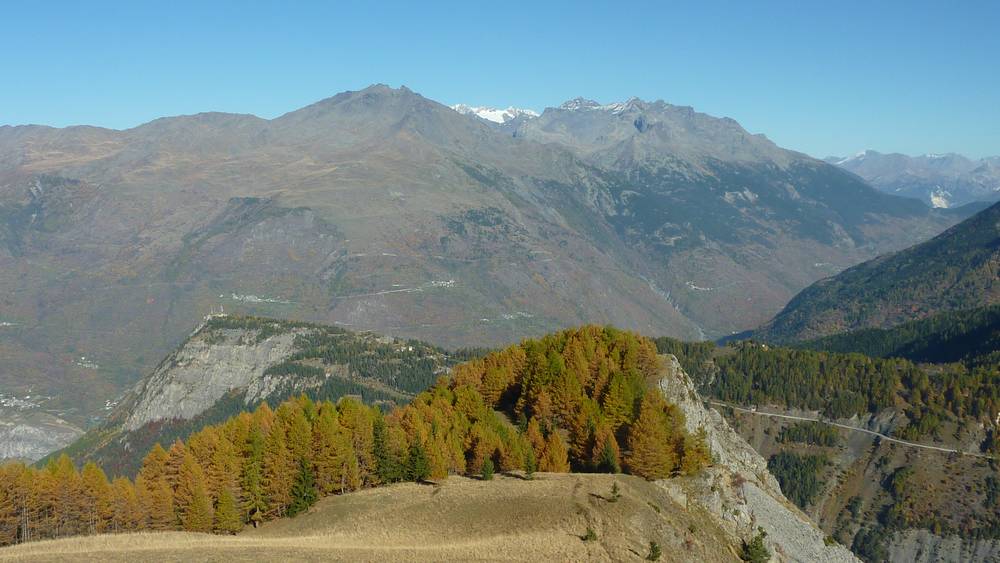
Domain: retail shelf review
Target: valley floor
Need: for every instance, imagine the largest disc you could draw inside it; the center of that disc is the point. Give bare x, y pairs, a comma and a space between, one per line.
508, 519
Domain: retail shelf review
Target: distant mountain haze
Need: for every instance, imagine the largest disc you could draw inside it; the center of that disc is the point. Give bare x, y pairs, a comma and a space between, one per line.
940, 180
381, 209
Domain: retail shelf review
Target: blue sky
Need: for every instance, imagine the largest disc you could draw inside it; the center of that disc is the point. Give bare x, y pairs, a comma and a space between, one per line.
821, 77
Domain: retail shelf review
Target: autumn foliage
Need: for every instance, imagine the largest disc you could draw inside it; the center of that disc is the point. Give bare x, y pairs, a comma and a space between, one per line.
582, 400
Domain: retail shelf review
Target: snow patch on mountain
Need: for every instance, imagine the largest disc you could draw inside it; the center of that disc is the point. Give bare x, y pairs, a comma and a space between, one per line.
493, 114
584, 104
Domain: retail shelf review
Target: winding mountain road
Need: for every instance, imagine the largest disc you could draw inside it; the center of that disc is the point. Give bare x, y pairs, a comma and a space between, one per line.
849, 427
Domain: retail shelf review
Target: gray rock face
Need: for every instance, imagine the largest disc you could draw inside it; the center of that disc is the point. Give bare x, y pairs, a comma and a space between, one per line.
739, 490
730, 449
32, 435
195, 377
922, 546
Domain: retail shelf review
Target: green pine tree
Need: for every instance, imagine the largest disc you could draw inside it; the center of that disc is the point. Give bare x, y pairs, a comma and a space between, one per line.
304, 490
387, 467
252, 478
418, 467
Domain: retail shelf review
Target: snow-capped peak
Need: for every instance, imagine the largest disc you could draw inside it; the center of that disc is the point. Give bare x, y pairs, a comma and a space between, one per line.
493, 114
857, 156
582, 104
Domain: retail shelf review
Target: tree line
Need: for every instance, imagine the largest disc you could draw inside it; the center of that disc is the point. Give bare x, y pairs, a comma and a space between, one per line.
582, 400
841, 385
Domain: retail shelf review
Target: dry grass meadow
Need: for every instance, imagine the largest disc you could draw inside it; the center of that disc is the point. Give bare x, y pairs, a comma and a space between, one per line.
507, 519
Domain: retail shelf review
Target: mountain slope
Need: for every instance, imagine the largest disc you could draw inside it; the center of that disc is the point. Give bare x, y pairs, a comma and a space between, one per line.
706, 512
230, 364
958, 269
896, 459
505, 519
737, 220
940, 180
380, 209
971, 336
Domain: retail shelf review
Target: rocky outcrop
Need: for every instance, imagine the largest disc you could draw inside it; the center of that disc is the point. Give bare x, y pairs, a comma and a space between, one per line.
196, 376
31, 435
922, 546
738, 490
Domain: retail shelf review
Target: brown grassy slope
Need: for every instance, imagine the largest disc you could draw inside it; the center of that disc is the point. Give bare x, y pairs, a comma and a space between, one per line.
463, 519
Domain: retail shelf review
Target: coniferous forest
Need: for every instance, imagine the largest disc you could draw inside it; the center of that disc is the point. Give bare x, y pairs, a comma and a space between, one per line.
580, 400
841, 385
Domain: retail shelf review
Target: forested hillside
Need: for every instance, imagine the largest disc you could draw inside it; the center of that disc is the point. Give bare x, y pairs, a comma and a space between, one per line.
971, 337
843, 385
959, 269
582, 400
862, 489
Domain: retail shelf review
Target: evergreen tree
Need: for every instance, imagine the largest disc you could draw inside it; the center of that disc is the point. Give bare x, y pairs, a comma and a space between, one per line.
304, 490
530, 463
387, 466
417, 466
252, 477
606, 455
227, 514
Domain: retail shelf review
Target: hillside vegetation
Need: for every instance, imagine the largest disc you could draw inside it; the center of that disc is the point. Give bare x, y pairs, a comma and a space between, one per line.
235, 363
581, 399
971, 337
958, 269
844, 385
865, 491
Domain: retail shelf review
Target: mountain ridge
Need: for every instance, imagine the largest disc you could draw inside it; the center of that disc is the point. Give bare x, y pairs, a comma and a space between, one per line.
940, 180
380, 209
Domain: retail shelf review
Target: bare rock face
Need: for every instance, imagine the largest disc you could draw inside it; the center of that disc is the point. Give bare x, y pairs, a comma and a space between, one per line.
30, 435
922, 546
730, 449
738, 489
195, 377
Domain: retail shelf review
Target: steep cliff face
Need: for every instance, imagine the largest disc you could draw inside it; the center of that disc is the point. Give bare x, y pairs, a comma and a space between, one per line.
229, 364
738, 490
922, 546
195, 377
29, 434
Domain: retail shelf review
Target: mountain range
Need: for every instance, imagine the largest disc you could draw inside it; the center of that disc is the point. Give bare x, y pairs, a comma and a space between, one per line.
940, 180
381, 209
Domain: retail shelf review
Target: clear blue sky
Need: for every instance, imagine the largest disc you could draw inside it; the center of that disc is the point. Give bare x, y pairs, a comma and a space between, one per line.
821, 77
